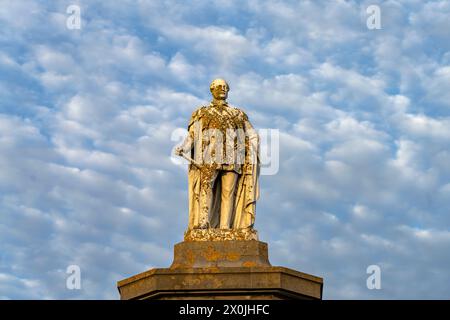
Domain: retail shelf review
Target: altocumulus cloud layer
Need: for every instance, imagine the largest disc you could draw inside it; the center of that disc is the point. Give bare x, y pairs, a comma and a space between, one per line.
86, 118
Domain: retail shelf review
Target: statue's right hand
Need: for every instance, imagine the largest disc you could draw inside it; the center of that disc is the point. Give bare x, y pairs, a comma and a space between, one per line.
179, 151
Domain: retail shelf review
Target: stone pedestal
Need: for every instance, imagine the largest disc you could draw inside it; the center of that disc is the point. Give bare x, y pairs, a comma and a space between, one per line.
233, 269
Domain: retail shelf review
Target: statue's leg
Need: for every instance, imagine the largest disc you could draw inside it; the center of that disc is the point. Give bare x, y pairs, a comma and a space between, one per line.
207, 179
194, 196
229, 179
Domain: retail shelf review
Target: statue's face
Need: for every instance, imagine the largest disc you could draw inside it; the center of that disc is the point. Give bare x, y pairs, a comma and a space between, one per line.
219, 89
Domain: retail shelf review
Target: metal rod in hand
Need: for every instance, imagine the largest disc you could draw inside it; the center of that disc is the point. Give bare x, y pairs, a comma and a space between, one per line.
190, 160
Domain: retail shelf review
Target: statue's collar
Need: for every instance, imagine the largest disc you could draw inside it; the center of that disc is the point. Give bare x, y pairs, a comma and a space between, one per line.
219, 104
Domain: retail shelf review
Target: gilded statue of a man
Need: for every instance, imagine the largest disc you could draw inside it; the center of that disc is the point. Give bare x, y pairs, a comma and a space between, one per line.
223, 149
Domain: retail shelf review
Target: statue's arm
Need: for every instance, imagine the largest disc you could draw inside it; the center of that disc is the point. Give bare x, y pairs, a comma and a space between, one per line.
253, 141
186, 146
251, 132
188, 142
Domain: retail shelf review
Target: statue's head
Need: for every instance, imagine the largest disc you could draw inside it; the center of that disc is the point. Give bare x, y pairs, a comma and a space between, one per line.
219, 89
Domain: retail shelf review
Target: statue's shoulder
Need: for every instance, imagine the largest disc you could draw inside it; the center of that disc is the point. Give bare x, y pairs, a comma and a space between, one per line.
239, 113
198, 113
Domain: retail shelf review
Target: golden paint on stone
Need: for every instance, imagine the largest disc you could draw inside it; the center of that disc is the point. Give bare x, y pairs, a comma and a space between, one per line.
223, 178
216, 234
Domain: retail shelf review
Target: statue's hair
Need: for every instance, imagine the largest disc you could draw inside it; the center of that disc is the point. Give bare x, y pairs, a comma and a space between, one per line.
213, 83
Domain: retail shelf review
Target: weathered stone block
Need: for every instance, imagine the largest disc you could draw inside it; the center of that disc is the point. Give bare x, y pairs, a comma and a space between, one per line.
203, 254
221, 270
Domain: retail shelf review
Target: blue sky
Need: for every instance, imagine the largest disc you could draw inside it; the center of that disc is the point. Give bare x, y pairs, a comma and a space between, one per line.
86, 118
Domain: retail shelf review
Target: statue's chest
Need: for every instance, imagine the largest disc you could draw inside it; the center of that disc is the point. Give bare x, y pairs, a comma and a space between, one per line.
220, 119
